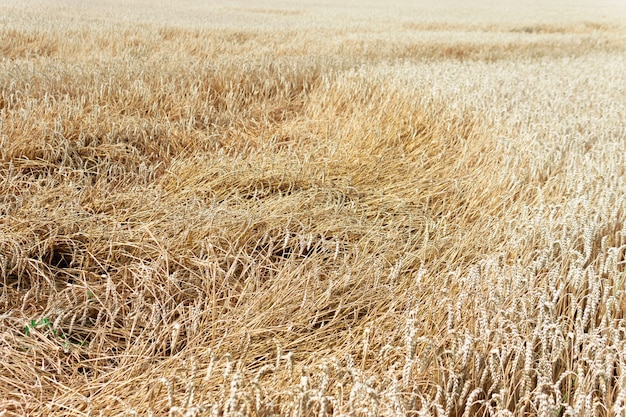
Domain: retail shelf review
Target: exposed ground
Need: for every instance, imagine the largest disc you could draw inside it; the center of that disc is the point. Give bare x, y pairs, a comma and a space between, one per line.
231, 208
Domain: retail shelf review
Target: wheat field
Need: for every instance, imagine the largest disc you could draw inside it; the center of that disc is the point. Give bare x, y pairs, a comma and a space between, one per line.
312, 209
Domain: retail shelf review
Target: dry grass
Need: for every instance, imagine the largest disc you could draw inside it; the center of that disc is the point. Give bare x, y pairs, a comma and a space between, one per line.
269, 211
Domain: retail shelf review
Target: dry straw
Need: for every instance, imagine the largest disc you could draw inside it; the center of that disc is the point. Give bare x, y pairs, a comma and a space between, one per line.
416, 217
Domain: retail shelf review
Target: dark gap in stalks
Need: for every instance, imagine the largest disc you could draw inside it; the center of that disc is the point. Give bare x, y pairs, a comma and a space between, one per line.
291, 251
13, 280
35, 169
321, 246
272, 186
63, 260
58, 257
85, 371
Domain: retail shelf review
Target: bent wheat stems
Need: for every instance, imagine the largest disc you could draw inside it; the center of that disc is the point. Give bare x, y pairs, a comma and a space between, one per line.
211, 209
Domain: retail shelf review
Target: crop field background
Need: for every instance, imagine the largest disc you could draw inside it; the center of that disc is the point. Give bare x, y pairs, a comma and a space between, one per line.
312, 209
